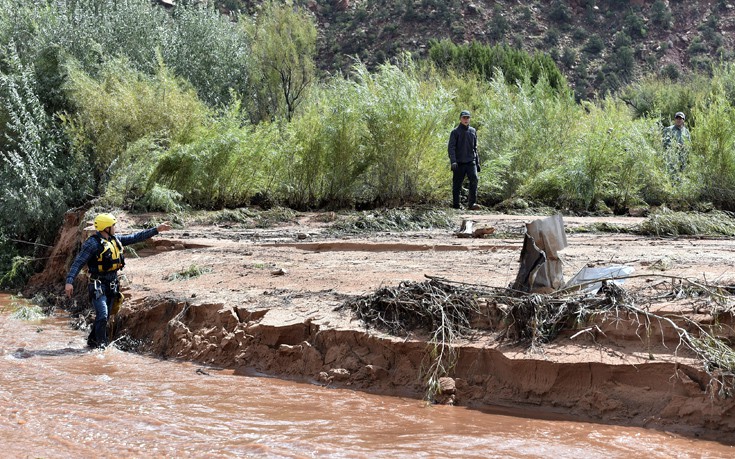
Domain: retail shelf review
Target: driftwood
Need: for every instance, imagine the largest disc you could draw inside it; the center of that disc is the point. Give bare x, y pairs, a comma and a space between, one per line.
467, 230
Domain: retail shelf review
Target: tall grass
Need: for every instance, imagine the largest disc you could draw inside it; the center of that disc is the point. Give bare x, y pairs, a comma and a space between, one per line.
122, 106
528, 130
712, 159
404, 135
225, 166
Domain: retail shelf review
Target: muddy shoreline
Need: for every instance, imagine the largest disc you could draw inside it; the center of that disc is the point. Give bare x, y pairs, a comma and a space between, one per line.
266, 303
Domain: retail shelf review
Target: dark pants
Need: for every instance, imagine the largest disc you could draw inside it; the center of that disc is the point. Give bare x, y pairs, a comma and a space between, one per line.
102, 293
469, 170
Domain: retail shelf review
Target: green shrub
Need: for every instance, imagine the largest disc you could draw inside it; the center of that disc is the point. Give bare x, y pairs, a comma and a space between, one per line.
485, 60
326, 158
124, 106
531, 131
33, 164
405, 134
594, 44
661, 14
225, 165
196, 42
712, 160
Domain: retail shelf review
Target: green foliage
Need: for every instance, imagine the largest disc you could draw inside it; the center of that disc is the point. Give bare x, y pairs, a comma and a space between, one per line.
326, 156
283, 45
594, 45
530, 130
404, 133
661, 14
24, 310
123, 106
560, 12
662, 98
225, 165
160, 199
128, 185
196, 42
635, 25
713, 147
16, 273
377, 139
208, 50
498, 25
485, 60
615, 159
34, 189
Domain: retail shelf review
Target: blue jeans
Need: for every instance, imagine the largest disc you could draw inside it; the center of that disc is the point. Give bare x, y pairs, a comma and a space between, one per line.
102, 295
470, 171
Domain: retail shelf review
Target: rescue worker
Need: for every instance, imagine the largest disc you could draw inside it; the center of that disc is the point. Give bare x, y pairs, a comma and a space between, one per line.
102, 252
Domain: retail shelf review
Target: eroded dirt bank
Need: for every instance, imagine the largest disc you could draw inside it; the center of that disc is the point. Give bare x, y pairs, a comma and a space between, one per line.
265, 302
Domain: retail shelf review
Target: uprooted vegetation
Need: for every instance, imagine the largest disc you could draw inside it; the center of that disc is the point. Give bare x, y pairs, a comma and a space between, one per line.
450, 311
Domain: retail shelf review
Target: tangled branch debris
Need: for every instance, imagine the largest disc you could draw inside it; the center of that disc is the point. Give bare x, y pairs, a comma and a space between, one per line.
446, 310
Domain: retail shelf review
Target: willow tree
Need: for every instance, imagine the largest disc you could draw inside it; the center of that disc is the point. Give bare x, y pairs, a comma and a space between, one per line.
283, 38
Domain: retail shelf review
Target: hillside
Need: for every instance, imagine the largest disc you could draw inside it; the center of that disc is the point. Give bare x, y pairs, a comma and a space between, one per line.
599, 45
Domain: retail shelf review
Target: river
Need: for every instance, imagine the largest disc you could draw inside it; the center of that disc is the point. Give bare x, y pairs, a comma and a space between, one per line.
59, 400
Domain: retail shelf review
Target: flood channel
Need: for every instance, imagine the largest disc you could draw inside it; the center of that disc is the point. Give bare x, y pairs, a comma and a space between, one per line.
59, 399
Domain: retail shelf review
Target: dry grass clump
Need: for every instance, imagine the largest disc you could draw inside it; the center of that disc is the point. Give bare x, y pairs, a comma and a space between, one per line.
189, 273
394, 220
243, 216
715, 223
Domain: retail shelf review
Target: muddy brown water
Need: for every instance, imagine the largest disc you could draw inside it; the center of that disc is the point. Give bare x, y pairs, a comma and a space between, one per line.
59, 399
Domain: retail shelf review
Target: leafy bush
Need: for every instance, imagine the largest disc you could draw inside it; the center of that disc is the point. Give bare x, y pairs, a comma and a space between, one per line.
196, 42
661, 14
225, 165
283, 45
485, 60
34, 188
325, 158
594, 44
404, 133
713, 148
530, 130
124, 106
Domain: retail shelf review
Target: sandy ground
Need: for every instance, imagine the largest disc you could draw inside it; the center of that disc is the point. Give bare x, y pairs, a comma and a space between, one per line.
266, 301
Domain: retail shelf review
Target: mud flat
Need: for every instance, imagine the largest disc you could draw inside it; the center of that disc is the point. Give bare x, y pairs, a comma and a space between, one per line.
267, 301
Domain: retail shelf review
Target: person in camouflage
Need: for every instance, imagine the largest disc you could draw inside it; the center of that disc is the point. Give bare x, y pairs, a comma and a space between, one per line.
676, 144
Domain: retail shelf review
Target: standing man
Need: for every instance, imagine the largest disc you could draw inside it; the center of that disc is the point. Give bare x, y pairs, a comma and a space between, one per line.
464, 160
676, 143
103, 254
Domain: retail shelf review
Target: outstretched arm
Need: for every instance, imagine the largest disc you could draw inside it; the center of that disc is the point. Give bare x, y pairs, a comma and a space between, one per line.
141, 236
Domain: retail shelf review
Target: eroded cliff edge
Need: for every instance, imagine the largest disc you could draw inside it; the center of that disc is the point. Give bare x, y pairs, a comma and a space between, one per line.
266, 301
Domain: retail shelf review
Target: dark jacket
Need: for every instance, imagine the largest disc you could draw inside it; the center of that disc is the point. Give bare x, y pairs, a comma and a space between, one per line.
463, 145
92, 247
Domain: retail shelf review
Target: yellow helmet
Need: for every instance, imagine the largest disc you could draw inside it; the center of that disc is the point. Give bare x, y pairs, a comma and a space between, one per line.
103, 221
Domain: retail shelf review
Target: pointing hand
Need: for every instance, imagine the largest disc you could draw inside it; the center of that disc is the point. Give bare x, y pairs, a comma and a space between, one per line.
165, 226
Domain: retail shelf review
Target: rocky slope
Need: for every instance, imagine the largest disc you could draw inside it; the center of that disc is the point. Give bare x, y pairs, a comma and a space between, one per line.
599, 45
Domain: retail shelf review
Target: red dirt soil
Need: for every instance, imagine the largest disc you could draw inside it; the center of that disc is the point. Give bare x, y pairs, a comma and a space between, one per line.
266, 304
